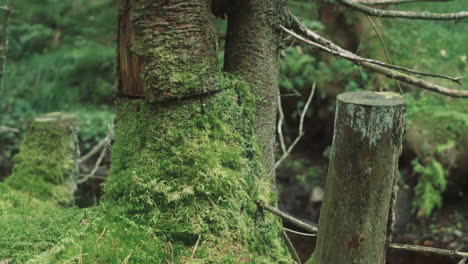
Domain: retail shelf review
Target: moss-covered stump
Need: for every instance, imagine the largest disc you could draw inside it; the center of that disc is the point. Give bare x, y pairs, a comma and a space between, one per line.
366, 146
46, 166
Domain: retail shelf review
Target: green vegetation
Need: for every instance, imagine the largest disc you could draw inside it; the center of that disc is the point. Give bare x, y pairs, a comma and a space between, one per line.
428, 191
61, 58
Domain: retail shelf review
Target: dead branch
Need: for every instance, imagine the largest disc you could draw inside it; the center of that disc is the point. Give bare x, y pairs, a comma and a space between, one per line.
422, 249
402, 14
312, 36
291, 246
104, 142
413, 248
8, 129
324, 44
301, 128
394, 2
382, 43
299, 233
289, 218
462, 261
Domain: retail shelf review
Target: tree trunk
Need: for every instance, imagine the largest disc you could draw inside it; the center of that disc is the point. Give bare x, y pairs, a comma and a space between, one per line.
186, 161
366, 146
252, 51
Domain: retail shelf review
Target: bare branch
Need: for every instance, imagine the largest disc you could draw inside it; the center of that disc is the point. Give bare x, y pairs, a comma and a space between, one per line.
374, 65
462, 261
299, 233
106, 140
402, 14
301, 129
394, 246
8, 129
387, 54
196, 246
289, 218
422, 249
293, 249
301, 28
394, 2
280, 126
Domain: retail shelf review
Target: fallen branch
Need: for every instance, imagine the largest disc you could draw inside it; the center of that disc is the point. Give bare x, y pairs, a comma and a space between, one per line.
196, 246
402, 14
374, 65
394, 2
462, 261
287, 152
395, 246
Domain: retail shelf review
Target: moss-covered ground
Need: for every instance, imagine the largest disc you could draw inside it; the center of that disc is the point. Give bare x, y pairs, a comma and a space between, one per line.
185, 180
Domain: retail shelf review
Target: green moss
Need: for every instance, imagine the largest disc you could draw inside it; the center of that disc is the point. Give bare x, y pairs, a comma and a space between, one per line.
190, 169
182, 172
46, 161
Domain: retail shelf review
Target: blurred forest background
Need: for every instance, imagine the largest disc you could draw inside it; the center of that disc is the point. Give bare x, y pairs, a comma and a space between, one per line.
61, 57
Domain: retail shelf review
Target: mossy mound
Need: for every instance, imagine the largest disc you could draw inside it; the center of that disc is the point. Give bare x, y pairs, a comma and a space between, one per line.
185, 179
46, 165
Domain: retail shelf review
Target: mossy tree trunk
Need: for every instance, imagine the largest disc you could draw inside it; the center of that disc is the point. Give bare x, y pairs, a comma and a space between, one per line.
191, 156
366, 146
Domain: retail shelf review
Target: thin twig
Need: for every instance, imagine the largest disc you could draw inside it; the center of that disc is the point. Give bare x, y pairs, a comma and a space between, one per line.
99, 160
8, 129
371, 64
387, 54
289, 218
102, 234
321, 42
402, 14
394, 246
86, 177
394, 2
291, 246
299, 233
422, 249
125, 261
280, 125
80, 255
196, 246
94, 150
301, 129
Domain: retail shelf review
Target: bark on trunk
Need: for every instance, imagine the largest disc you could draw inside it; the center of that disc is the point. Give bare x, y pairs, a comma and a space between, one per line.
185, 160
366, 146
252, 51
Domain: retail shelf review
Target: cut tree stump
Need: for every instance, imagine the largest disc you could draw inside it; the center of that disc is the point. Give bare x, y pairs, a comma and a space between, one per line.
46, 165
367, 143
